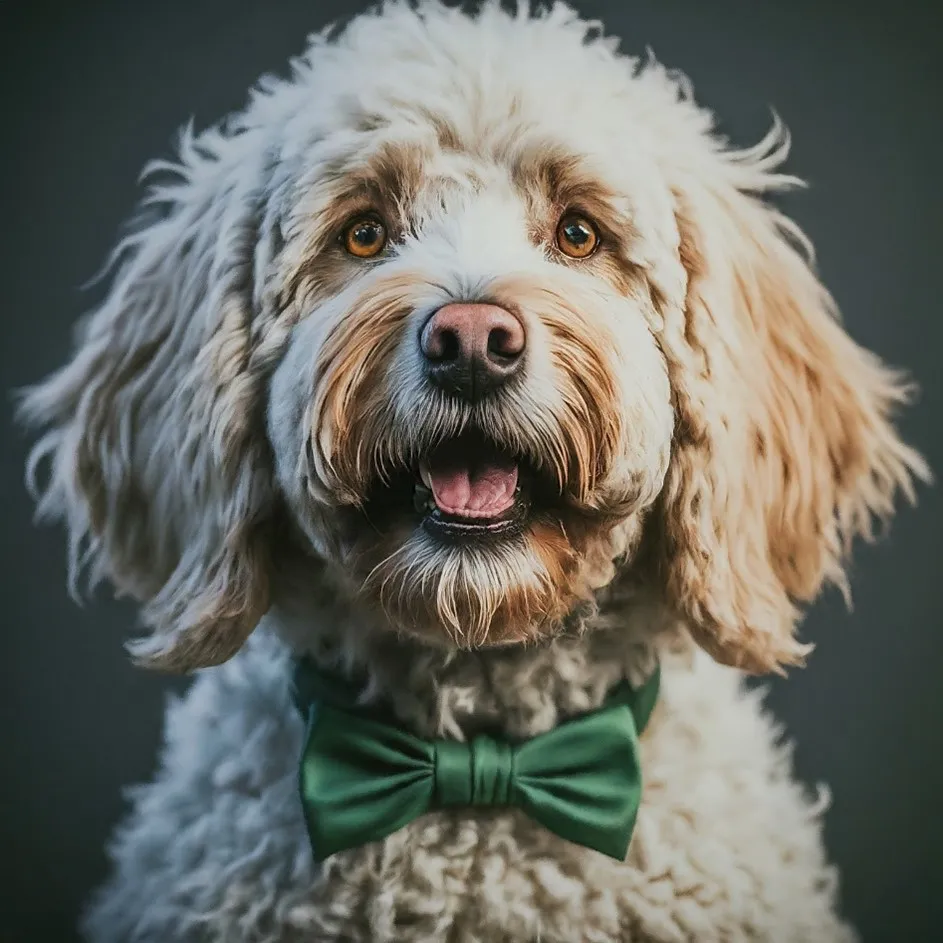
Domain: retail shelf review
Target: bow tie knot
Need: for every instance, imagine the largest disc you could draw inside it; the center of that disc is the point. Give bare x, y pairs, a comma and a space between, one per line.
477, 773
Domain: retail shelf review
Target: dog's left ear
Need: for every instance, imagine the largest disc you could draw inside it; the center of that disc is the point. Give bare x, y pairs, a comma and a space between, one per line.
154, 431
784, 449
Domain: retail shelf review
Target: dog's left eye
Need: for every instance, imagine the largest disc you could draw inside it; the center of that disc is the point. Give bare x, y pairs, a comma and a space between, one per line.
364, 237
577, 237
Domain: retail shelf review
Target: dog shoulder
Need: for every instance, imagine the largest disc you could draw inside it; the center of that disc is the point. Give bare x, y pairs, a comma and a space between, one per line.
221, 810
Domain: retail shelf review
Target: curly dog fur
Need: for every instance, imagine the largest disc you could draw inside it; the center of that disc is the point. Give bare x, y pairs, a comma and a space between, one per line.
230, 442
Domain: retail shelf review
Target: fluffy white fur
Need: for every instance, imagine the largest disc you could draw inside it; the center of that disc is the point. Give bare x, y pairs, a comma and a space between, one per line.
727, 845
716, 438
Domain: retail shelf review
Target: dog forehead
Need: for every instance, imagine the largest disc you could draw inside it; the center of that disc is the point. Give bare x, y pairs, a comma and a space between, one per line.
422, 158
458, 100
475, 80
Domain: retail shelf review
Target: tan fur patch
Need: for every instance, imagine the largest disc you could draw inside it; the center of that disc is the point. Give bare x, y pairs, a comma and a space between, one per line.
554, 183
784, 448
384, 182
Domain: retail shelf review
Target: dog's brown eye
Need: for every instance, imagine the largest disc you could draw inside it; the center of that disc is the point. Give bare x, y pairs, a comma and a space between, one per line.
365, 237
577, 236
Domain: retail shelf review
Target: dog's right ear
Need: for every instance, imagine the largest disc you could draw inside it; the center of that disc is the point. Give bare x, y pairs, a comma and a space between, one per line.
154, 431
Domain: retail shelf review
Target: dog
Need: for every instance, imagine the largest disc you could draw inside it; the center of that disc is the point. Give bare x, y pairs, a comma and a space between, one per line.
469, 369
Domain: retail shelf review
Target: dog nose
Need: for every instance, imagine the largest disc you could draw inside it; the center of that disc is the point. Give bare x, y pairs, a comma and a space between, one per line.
472, 349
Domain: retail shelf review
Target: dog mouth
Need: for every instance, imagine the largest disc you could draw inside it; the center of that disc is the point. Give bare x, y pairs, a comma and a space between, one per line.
471, 488
467, 488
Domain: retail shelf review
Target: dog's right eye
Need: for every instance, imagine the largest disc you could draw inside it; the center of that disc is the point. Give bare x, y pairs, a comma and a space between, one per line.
364, 237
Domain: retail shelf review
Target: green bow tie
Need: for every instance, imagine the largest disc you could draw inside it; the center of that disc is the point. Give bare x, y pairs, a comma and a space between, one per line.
362, 779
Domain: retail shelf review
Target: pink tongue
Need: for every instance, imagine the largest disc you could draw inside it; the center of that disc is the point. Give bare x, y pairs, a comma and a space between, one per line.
481, 491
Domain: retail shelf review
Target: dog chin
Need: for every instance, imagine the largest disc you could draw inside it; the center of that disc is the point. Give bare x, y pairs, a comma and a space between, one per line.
472, 593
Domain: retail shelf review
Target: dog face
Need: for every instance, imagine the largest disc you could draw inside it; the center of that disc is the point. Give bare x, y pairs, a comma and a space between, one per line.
473, 412
487, 315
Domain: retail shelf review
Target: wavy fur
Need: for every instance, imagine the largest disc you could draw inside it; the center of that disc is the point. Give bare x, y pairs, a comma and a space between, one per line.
215, 446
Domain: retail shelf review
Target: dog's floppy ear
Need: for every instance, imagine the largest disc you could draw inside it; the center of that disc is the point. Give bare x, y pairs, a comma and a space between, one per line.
153, 431
784, 449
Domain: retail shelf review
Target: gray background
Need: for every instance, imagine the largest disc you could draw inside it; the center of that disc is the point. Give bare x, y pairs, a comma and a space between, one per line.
92, 92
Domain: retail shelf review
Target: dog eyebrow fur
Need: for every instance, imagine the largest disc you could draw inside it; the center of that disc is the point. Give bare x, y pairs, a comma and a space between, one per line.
385, 182
553, 182
559, 181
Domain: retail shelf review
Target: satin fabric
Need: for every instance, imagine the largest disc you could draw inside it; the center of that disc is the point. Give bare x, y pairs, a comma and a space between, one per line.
362, 778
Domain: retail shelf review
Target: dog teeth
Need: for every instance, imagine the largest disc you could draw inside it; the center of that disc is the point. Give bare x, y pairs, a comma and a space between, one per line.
423, 499
424, 475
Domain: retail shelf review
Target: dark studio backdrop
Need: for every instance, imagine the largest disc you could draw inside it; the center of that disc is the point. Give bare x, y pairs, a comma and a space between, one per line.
91, 91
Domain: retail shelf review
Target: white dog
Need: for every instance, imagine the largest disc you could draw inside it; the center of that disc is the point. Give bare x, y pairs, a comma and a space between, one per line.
469, 363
